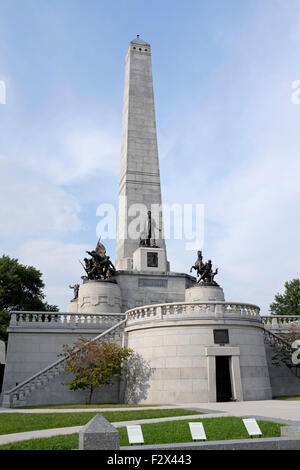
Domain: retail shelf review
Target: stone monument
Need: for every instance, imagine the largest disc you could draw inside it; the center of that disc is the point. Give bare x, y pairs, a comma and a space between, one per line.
198, 346
139, 170
99, 292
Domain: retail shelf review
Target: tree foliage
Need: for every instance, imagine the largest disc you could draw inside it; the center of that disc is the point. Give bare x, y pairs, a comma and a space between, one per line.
21, 288
289, 302
283, 352
94, 364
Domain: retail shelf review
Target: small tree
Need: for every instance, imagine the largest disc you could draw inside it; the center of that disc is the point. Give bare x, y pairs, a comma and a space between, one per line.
93, 364
289, 302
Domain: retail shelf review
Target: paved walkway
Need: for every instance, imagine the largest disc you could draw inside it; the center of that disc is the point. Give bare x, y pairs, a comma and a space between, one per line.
280, 410
86, 410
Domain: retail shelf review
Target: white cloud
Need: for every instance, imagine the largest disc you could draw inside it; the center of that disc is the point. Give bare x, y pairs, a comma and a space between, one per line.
58, 262
32, 205
252, 230
258, 209
75, 154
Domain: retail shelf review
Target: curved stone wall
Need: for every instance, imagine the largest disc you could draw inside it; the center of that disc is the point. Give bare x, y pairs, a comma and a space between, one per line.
178, 341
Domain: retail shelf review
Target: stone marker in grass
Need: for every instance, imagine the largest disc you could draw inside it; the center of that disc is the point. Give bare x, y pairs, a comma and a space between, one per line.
99, 434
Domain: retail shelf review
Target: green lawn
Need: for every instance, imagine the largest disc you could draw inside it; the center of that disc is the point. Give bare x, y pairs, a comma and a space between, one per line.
215, 429
286, 398
68, 442
101, 405
159, 433
22, 422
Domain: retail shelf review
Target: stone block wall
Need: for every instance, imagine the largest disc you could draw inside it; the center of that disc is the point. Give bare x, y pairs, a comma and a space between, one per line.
182, 359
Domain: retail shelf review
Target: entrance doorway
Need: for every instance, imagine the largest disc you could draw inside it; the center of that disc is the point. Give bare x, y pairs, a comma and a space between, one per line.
223, 380
2, 366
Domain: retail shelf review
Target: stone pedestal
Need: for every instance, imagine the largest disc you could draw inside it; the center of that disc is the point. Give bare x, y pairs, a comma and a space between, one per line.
99, 434
73, 306
148, 258
204, 293
99, 297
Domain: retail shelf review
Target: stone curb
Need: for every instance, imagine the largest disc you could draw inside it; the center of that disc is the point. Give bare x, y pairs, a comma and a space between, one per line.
99, 410
268, 443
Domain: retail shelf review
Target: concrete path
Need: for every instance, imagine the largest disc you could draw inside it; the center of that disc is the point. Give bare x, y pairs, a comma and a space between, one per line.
86, 410
281, 409
22, 436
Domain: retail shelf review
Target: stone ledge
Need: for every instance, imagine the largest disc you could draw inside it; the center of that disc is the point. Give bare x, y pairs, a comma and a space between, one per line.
270, 443
222, 351
191, 321
290, 431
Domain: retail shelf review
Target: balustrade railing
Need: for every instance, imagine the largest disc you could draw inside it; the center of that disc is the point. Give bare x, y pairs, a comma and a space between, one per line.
192, 309
63, 319
280, 322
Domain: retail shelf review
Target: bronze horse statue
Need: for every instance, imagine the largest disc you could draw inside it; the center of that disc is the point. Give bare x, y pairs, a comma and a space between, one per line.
204, 270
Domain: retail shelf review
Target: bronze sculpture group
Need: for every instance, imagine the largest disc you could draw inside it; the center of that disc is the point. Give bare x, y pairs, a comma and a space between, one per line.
99, 266
205, 273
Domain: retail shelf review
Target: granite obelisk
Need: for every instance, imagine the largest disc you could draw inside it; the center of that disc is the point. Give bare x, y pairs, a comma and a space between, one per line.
139, 169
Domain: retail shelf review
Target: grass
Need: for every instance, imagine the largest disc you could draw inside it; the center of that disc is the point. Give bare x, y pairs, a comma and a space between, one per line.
215, 428
287, 398
22, 422
67, 442
100, 405
225, 428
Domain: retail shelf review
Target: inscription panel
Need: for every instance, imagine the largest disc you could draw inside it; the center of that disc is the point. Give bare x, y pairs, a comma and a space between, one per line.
163, 283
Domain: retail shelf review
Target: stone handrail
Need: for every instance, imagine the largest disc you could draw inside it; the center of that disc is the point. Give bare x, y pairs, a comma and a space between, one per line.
277, 342
279, 322
23, 389
181, 310
63, 319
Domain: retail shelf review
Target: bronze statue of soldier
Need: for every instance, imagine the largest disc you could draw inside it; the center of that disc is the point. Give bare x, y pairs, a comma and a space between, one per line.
99, 266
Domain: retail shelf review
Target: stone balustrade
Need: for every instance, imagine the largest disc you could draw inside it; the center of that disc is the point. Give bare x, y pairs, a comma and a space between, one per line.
64, 320
280, 322
184, 310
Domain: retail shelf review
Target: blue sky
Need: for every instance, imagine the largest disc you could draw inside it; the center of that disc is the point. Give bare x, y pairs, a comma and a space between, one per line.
228, 133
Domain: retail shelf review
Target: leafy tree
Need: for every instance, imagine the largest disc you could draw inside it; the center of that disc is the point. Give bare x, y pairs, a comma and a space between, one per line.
21, 288
4, 323
289, 302
283, 350
93, 364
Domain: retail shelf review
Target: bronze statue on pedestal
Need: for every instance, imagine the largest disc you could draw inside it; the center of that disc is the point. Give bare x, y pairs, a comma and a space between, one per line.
205, 274
99, 266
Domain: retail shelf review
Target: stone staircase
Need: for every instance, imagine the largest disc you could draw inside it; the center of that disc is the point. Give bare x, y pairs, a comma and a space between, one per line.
277, 343
17, 396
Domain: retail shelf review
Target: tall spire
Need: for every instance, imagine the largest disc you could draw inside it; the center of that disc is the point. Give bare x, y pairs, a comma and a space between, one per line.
139, 170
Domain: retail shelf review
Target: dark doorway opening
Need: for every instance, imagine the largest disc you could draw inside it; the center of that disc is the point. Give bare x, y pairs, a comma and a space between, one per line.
223, 380
2, 366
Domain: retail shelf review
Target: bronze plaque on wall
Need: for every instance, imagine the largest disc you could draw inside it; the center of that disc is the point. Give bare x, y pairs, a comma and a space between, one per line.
152, 260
